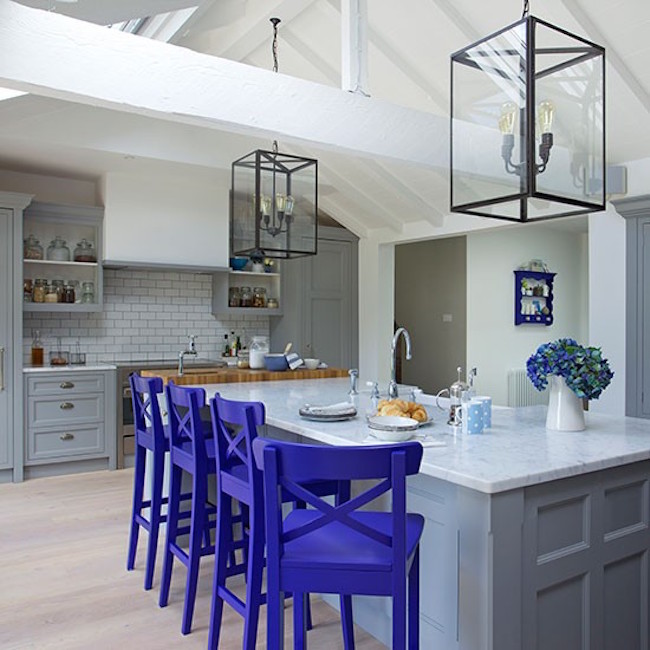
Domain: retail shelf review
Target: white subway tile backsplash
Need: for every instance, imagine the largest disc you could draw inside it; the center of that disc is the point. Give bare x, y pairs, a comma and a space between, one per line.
146, 315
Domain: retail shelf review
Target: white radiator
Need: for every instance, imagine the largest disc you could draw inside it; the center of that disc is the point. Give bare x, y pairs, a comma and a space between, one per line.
521, 391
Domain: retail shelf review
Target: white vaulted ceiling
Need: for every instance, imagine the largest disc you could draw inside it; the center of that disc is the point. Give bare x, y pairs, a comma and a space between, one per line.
409, 43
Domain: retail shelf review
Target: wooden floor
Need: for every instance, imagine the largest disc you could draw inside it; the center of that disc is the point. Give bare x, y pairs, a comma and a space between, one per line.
64, 585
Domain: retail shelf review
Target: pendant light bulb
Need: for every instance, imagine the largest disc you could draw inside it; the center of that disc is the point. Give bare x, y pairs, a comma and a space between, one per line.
508, 118
545, 114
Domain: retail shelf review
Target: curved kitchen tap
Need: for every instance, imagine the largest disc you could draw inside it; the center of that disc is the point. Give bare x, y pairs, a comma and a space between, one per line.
190, 350
392, 386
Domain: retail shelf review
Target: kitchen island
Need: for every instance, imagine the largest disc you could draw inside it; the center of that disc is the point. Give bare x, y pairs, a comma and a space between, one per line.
534, 540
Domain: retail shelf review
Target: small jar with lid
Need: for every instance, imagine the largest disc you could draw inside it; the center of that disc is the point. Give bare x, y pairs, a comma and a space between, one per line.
246, 297
234, 297
28, 289
58, 250
68, 294
259, 297
76, 287
32, 249
51, 294
85, 252
272, 303
40, 289
59, 287
88, 292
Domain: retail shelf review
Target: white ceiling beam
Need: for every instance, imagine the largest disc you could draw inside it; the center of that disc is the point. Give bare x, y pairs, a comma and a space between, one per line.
341, 212
354, 46
56, 56
392, 55
404, 193
612, 56
457, 18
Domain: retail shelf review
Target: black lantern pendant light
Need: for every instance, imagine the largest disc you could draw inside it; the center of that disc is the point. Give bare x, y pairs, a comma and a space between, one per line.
528, 124
274, 200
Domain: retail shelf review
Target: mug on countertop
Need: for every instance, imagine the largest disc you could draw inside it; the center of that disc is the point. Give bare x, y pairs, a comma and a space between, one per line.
486, 400
471, 416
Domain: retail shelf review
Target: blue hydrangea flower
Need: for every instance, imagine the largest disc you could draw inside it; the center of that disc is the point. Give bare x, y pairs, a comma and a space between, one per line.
585, 370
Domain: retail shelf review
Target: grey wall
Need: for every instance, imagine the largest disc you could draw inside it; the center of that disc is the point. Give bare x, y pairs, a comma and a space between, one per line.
430, 282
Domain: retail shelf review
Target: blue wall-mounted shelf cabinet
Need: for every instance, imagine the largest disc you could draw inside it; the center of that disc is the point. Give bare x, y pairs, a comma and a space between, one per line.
533, 298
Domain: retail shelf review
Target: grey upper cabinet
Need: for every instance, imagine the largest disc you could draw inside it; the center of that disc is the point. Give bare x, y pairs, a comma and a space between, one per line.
11, 334
320, 298
637, 356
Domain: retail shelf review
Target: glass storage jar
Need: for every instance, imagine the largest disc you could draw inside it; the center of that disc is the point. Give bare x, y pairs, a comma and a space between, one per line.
51, 294
258, 349
85, 252
58, 251
76, 287
59, 287
68, 295
28, 289
40, 289
246, 297
272, 303
259, 297
32, 249
234, 297
88, 292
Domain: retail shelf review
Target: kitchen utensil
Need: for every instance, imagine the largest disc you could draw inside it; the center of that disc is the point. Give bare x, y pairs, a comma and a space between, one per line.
238, 263
312, 364
455, 392
275, 362
287, 349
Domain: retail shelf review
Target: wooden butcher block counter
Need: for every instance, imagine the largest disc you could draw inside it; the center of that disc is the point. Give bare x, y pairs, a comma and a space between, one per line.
229, 375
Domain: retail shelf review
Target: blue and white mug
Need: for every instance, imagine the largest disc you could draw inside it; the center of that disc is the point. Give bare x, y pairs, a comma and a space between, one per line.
487, 409
471, 416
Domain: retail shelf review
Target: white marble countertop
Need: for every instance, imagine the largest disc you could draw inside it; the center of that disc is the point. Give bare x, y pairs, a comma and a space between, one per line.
516, 452
70, 368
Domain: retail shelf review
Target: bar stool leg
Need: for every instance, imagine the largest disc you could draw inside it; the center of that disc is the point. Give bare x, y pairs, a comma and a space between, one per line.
254, 571
138, 489
155, 515
172, 528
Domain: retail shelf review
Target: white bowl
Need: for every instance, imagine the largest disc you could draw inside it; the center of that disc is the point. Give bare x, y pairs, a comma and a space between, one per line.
392, 428
312, 364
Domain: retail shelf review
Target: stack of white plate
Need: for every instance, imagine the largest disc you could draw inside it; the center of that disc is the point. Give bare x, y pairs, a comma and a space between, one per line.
328, 413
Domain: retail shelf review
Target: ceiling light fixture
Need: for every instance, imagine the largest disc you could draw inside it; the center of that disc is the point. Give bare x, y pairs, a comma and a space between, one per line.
274, 200
528, 124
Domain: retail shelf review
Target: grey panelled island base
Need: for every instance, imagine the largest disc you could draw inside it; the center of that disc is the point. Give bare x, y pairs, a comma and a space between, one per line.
534, 540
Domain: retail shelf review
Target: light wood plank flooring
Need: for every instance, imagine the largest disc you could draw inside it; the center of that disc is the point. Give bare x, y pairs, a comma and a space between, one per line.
64, 585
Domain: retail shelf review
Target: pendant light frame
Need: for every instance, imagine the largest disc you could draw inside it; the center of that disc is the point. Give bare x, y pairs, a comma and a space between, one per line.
519, 63
274, 200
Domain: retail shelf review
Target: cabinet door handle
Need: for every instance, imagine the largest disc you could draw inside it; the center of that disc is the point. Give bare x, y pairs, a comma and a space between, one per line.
2, 369
65, 406
67, 436
66, 384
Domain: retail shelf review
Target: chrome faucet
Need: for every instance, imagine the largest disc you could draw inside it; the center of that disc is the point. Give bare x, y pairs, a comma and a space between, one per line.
392, 385
190, 350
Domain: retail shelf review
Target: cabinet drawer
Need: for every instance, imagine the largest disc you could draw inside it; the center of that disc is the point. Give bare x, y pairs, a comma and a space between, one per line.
68, 384
65, 442
62, 411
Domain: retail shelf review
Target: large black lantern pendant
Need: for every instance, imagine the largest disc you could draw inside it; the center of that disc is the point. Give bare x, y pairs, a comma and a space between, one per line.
274, 201
528, 124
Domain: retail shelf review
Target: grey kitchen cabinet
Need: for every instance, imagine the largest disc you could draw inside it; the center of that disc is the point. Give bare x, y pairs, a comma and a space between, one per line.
11, 334
320, 296
70, 416
73, 223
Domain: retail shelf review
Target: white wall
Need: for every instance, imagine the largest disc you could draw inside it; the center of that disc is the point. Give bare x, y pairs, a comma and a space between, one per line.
607, 302
494, 343
164, 219
50, 188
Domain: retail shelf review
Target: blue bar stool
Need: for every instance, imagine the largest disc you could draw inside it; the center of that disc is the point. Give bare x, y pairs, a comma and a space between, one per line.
341, 549
149, 435
238, 479
189, 453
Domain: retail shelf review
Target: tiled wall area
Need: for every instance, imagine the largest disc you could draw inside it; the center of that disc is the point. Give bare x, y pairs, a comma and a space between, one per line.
146, 315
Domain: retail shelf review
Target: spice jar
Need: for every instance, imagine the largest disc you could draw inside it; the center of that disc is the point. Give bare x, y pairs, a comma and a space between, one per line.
85, 252
40, 289
32, 249
259, 297
58, 251
272, 303
246, 297
28, 289
59, 287
68, 294
51, 294
234, 297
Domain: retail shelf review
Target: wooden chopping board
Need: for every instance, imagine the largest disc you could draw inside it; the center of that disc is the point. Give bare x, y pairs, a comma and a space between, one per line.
233, 375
